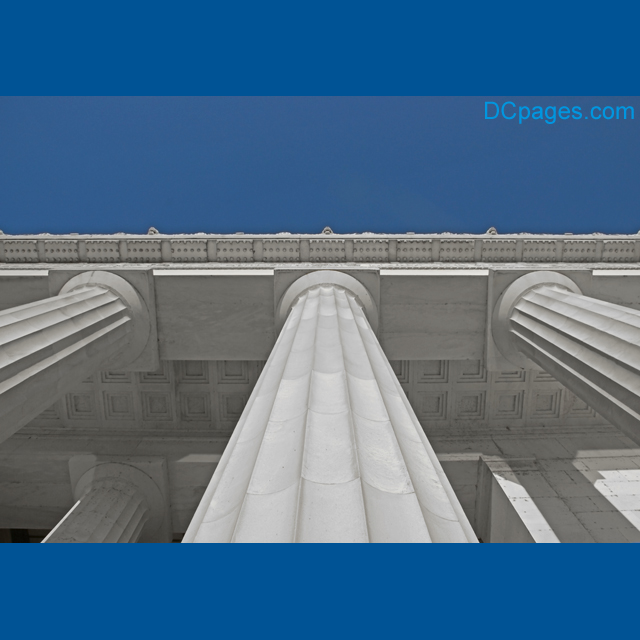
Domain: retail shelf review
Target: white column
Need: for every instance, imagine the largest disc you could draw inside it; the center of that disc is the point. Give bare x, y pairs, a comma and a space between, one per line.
328, 448
112, 510
590, 346
48, 347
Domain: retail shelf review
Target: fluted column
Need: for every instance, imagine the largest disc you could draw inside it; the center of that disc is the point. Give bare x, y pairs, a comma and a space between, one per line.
328, 448
113, 510
590, 346
48, 347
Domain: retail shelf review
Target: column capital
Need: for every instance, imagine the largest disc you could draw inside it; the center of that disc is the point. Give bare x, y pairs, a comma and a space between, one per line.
139, 313
327, 276
147, 474
589, 345
502, 312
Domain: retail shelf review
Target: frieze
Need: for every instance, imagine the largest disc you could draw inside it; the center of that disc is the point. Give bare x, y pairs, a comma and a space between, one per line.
328, 248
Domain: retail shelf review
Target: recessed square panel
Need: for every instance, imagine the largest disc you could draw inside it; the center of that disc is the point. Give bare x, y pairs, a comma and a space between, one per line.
162, 375
509, 405
517, 375
470, 405
546, 404
118, 406
195, 406
472, 371
401, 369
193, 372
432, 406
233, 372
109, 377
81, 406
577, 407
156, 406
433, 371
232, 405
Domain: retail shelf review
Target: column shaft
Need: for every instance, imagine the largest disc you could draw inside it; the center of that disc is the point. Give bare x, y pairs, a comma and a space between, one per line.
328, 448
48, 347
111, 511
591, 346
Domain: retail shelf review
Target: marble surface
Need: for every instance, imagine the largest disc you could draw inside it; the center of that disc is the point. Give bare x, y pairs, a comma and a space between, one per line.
328, 448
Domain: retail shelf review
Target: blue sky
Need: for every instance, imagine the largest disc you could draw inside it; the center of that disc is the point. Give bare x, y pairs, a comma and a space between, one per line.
383, 164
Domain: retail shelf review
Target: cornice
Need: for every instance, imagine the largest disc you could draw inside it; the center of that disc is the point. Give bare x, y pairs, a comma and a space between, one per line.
284, 248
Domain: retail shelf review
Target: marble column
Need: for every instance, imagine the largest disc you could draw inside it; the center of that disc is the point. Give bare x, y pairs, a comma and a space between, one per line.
328, 448
113, 510
48, 347
590, 346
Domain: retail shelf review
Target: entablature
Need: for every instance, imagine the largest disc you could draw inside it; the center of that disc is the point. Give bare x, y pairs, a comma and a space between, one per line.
319, 248
431, 307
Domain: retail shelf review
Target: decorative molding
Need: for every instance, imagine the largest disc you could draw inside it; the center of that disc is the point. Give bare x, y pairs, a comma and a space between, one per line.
60, 251
371, 251
457, 250
579, 251
144, 251
189, 250
235, 250
499, 251
619, 251
287, 249
540, 251
102, 250
327, 251
281, 251
414, 251
20, 251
